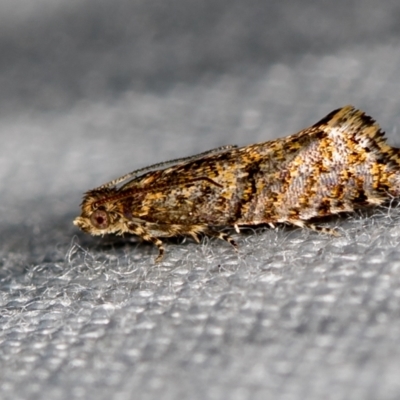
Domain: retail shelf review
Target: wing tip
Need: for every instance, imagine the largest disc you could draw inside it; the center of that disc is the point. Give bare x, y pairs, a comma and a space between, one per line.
352, 120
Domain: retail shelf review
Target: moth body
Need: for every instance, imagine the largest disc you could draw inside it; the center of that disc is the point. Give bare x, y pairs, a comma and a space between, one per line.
339, 164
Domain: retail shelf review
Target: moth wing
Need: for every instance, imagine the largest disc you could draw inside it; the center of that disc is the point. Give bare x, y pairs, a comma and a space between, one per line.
355, 125
135, 176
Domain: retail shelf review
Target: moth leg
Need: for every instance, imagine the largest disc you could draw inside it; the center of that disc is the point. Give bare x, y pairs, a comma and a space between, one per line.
194, 236
158, 243
313, 227
221, 235
145, 234
323, 229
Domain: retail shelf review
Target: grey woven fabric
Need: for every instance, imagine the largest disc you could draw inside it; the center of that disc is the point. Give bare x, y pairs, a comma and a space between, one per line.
94, 89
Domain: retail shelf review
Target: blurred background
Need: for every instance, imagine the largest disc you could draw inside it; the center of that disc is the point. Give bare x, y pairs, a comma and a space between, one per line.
92, 89
57, 53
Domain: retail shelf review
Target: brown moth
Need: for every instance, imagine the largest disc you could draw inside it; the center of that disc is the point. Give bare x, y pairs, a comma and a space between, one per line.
339, 164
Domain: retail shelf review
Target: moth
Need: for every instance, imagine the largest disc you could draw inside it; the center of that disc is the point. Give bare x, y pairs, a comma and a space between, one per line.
337, 165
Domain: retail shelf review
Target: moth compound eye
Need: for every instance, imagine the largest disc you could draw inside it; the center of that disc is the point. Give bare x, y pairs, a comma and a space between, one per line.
99, 219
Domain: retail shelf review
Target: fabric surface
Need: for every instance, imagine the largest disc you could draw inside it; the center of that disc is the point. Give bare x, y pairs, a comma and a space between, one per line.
94, 89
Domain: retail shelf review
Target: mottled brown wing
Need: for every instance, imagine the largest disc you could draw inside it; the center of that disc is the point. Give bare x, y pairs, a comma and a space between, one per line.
338, 164
344, 165
218, 189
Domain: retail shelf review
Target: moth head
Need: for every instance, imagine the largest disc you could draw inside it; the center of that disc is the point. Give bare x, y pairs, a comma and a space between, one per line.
98, 219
